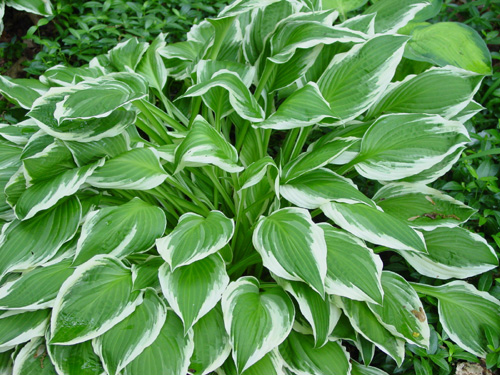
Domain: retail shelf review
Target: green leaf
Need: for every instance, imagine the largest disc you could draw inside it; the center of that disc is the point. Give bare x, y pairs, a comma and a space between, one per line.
147, 273
211, 343
394, 14
450, 256
78, 359
22, 92
194, 289
367, 325
10, 154
450, 43
45, 194
292, 246
126, 55
374, 226
91, 301
120, 231
302, 357
126, 340
195, 238
32, 242
32, 359
356, 79
270, 364
256, 322
304, 107
343, 6
137, 169
243, 6
168, 354
401, 311
19, 327
441, 91
353, 270
6, 361
402, 145
465, 313
317, 187
204, 145
422, 206
35, 289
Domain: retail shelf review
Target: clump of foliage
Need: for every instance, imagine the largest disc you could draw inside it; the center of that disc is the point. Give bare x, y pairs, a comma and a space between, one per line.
163, 215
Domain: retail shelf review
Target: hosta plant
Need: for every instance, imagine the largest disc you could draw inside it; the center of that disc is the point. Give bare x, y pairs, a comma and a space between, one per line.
190, 208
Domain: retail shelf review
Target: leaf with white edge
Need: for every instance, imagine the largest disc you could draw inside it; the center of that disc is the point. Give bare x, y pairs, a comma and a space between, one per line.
292, 246
240, 97
374, 226
366, 324
32, 242
35, 289
32, 359
195, 238
126, 340
422, 206
40, 7
343, 6
151, 65
243, 6
402, 312
61, 75
100, 97
256, 322
363, 22
19, 327
147, 273
318, 156
468, 112
255, 172
450, 256
394, 14
6, 360
89, 152
78, 359
91, 301
6, 212
304, 107
315, 309
270, 364
450, 43
211, 343
168, 354
356, 79
45, 194
354, 271
317, 187
126, 55
401, 145
194, 289
358, 369
22, 92
465, 313
204, 145
303, 358
441, 91
137, 169
120, 231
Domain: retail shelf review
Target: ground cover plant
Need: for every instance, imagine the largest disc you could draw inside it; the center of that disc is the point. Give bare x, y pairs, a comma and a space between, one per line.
190, 207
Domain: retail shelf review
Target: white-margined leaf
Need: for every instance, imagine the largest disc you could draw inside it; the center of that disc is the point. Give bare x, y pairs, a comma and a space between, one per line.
401, 311
151, 65
453, 253
465, 314
356, 79
292, 246
304, 107
120, 231
317, 187
35, 289
126, 55
441, 91
204, 145
353, 270
147, 273
374, 226
91, 301
195, 238
422, 206
61, 75
394, 14
137, 169
402, 145
32, 242
358, 369
211, 343
126, 340
17, 327
30, 359
468, 112
242, 6
302, 357
40, 7
45, 194
194, 289
366, 324
22, 92
255, 172
343, 6
256, 322
270, 364
78, 359
363, 22
168, 354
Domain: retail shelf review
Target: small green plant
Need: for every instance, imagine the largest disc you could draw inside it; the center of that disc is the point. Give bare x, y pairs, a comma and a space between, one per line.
166, 212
